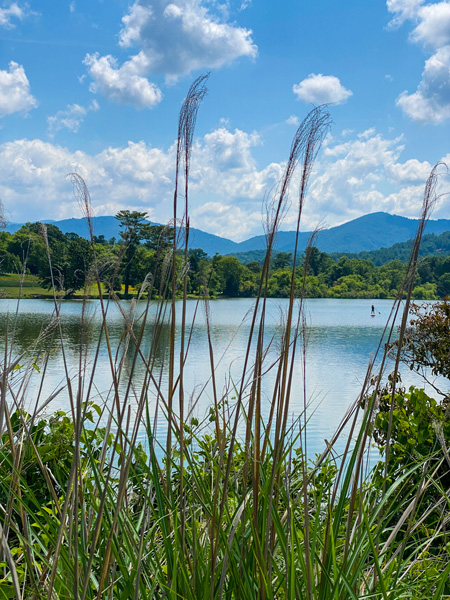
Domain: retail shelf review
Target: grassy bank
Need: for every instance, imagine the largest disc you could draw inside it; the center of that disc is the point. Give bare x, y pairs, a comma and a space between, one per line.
17, 286
93, 506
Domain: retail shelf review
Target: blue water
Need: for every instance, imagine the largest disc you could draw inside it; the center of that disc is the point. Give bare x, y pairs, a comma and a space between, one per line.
340, 339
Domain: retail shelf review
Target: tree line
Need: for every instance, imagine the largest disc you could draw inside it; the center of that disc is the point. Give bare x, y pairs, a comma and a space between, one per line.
141, 259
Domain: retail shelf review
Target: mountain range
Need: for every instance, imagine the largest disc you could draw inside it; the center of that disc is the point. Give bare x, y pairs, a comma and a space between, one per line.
369, 232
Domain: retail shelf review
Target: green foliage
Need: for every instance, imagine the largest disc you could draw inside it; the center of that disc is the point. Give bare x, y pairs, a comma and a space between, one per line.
71, 261
416, 420
135, 229
427, 339
418, 430
92, 507
150, 517
432, 246
143, 247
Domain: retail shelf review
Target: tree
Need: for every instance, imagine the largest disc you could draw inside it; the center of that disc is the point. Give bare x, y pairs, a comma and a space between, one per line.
282, 260
419, 428
141, 265
254, 266
100, 239
318, 262
159, 238
28, 245
443, 287
427, 340
229, 271
135, 229
71, 259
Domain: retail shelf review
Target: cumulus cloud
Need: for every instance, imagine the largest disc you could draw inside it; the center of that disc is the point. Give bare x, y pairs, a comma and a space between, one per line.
354, 176
321, 89
125, 84
71, 118
430, 103
172, 39
226, 220
32, 177
433, 29
402, 10
15, 95
365, 174
182, 36
11, 12
293, 120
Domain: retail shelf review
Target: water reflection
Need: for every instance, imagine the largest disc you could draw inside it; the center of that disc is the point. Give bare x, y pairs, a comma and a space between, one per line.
341, 337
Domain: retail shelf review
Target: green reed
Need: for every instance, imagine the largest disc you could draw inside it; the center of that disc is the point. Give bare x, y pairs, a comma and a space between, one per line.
87, 511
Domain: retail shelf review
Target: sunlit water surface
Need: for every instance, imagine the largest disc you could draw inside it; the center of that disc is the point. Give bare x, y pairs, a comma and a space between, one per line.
341, 336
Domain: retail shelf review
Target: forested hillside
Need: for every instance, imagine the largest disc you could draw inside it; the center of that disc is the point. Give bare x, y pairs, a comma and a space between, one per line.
366, 233
135, 262
431, 245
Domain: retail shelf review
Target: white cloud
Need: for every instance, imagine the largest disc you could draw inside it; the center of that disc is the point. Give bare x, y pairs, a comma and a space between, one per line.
13, 11
183, 36
364, 175
15, 95
70, 118
125, 84
360, 175
321, 89
433, 29
226, 220
139, 17
33, 176
172, 39
403, 10
408, 172
368, 133
293, 120
430, 103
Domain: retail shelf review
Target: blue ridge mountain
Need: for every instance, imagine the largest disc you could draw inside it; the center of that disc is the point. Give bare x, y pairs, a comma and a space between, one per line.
369, 232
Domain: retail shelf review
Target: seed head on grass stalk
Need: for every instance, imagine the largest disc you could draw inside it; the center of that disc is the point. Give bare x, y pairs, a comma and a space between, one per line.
186, 127
304, 148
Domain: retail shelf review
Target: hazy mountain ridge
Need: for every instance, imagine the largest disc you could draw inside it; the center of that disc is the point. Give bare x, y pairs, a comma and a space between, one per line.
369, 232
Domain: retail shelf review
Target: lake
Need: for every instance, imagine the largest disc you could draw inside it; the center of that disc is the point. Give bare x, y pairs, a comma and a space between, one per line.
340, 338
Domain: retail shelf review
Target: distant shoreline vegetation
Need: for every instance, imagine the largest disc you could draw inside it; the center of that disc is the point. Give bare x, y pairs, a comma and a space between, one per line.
224, 505
130, 262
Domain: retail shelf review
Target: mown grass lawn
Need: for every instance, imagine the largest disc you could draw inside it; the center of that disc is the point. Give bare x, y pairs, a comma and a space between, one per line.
13, 284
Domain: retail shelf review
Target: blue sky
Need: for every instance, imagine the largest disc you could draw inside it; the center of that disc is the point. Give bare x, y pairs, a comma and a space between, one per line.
95, 87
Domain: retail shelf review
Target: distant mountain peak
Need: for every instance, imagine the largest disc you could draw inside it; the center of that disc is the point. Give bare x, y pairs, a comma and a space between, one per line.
367, 232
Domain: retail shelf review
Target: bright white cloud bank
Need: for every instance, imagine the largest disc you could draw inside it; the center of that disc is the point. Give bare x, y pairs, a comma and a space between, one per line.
172, 39
15, 95
355, 175
321, 89
430, 103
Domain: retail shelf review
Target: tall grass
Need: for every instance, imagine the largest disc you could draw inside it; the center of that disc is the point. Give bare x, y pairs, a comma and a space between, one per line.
87, 511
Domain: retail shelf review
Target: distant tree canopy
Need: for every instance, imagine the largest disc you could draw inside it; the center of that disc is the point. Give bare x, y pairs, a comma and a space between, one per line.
134, 229
137, 263
427, 340
142, 251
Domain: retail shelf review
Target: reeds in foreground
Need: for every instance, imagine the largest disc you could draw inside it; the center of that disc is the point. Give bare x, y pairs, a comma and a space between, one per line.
87, 511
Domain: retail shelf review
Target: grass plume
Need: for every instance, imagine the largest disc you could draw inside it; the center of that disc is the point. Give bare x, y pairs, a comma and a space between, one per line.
94, 504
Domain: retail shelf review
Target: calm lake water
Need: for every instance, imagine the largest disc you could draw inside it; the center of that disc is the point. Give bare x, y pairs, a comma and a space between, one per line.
341, 337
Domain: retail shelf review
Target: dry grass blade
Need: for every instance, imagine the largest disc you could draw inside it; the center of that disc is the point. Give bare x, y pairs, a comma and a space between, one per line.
225, 507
